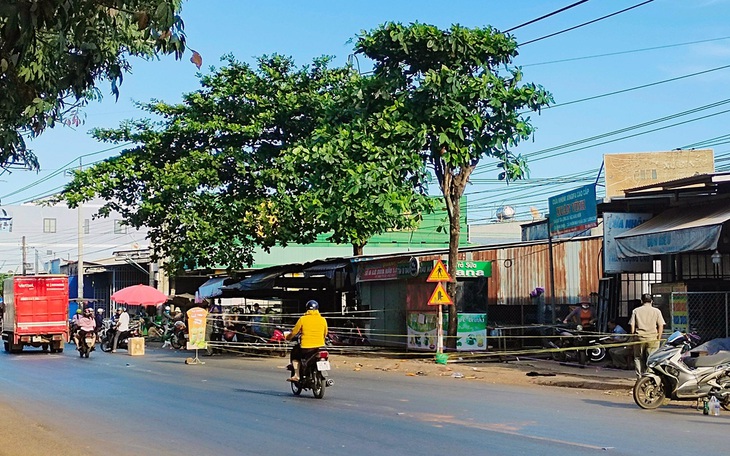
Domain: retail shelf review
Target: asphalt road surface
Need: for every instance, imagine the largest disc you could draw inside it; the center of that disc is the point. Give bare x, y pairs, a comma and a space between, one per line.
116, 404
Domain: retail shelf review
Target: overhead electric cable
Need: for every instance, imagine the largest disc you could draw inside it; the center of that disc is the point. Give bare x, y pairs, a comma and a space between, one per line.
609, 54
586, 23
565, 8
635, 135
636, 87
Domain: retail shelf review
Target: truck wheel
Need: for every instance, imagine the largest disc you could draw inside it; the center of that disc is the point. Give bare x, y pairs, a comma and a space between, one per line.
7, 347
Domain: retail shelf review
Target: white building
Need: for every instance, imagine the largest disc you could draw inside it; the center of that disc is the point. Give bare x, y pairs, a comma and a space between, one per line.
39, 236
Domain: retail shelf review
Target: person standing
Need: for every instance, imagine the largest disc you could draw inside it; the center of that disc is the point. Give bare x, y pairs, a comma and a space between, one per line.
647, 324
121, 327
214, 327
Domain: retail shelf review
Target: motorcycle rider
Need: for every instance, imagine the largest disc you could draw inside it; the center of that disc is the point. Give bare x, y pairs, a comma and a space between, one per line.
313, 329
121, 327
86, 324
75, 320
99, 319
583, 315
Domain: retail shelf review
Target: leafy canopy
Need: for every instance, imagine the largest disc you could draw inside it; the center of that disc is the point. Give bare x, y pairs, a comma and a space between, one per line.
462, 100
53, 53
258, 156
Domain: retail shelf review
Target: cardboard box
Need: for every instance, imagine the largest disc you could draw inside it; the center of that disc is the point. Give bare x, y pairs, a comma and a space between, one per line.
136, 346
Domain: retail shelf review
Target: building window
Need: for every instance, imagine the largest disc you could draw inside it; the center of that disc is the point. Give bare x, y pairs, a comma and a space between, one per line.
49, 225
86, 226
119, 228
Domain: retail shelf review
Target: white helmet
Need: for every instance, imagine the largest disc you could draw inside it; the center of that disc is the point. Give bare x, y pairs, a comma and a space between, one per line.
100, 310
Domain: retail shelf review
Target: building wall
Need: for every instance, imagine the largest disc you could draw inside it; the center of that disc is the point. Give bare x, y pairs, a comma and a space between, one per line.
42, 247
518, 270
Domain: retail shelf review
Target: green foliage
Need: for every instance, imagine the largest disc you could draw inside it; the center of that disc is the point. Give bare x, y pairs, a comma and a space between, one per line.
258, 156
462, 100
53, 53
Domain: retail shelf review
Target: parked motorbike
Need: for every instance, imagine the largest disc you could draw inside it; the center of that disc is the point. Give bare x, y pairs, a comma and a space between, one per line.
671, 375
106, 337
314, 374
85, 345
562, 338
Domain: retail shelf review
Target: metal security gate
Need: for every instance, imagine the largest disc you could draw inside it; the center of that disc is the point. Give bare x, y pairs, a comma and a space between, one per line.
706, 313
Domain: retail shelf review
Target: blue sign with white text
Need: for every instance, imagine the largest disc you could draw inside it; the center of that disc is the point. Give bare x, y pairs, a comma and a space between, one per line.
573, 211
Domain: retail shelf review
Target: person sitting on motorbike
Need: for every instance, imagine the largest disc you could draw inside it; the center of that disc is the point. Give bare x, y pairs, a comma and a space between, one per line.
74, 326
121, 327
583, 315
313, 329
86, 324
99, 319
619, 355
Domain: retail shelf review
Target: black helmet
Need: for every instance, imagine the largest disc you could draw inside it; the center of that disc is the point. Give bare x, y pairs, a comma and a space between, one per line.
312, 305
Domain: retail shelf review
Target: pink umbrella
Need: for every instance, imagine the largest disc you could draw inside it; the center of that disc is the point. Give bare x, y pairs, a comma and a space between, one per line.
139, 295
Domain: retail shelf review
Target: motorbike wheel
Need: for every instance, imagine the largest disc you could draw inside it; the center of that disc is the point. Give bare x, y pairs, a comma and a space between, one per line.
596, 353
648, 394
106, 346
296, 388
176, 342
582, 357
318, 385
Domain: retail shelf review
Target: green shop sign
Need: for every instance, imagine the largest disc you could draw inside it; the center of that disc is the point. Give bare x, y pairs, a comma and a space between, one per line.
473, 269
464, 269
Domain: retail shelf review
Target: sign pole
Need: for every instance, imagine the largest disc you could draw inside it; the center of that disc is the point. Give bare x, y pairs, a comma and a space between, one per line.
439, 298
440, 330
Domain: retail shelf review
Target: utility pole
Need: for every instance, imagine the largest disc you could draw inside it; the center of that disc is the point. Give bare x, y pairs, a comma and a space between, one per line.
23, 255
80, 265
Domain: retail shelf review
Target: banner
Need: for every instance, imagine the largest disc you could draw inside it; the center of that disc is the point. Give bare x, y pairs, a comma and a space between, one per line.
196, 328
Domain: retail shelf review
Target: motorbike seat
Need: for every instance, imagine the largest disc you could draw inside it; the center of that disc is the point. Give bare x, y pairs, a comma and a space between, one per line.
708, 360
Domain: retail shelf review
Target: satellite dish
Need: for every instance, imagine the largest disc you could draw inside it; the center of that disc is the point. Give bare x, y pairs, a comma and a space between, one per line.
505, 213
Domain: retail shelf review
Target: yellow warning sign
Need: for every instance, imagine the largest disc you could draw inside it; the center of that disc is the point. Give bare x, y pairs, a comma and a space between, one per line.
440, 296
439, 273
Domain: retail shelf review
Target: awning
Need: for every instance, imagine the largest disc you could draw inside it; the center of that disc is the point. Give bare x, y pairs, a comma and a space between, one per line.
257, 281
327, 269
211, 288
685, 229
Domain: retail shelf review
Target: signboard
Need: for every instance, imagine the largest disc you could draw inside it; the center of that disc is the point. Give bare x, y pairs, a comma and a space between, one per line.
473, 269
439, 273
421, 328
196, 328
624, 171
573, 211
471, 332
439, 296
615, 223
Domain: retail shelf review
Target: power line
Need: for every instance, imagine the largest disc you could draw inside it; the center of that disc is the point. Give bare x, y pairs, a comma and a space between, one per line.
586, 23
651, 84
565, 8
609, 54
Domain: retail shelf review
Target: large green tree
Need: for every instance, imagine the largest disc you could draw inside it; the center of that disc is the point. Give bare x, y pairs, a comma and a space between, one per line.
259, 156
355, 174
463, 100
54, 52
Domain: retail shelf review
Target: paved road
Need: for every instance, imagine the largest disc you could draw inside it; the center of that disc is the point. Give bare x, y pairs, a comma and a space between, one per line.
233, 405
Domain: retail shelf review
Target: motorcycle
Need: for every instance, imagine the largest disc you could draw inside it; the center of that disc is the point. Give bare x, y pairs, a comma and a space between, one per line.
106, 338
671, 375
85, 345
314, 374
564, 337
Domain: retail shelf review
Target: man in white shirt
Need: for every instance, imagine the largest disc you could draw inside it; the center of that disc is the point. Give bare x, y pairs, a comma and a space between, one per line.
121, 327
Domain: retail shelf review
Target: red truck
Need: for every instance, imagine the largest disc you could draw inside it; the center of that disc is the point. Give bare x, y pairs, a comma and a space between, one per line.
35, 312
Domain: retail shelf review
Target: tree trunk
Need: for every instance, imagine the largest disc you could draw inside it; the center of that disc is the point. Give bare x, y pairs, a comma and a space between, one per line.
358, 249
454, 233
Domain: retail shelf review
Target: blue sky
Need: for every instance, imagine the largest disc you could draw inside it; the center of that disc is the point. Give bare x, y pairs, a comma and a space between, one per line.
305, 30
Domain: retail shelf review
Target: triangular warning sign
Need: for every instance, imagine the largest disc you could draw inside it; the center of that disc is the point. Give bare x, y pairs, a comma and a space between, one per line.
439, 273
440, 296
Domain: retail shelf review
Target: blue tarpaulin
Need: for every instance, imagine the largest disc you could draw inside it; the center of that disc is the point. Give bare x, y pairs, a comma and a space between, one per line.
211, 288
